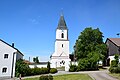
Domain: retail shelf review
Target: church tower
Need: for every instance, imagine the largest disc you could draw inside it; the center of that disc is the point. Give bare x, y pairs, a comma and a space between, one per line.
60, 58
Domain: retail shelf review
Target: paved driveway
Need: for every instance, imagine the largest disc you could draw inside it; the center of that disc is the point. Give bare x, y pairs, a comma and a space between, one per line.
102, 75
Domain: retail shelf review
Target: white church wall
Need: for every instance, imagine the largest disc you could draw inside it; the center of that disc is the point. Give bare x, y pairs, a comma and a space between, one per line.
57, 63
59, 32
59, 49
67, 65
60, 58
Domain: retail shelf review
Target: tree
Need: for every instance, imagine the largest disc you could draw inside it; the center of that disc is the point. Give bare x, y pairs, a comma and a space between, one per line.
90, 46
48, 66
36, 60
21, 68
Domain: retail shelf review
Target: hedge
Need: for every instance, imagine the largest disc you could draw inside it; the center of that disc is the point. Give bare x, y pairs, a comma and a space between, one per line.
53, 70
38, 71
46, 77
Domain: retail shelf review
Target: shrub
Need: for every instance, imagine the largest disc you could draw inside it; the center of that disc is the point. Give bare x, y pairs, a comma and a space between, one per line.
38, 71
50, 77
44, 70
73, 68
21, 68
32, 71
114, 63
114, 69
53, 70
87, 64
17, 74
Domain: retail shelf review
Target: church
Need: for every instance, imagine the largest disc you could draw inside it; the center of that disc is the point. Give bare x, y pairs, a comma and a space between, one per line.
60, 58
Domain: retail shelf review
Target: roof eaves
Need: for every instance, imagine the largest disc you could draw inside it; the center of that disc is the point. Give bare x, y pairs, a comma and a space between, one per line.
11, 46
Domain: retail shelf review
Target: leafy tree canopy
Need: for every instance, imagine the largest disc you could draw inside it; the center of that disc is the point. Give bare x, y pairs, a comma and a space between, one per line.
36, 60
90, 45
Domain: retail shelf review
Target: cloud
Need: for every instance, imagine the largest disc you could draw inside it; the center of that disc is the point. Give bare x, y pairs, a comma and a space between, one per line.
35, 20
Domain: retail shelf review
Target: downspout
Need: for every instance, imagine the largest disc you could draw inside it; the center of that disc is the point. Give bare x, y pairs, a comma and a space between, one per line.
12, 65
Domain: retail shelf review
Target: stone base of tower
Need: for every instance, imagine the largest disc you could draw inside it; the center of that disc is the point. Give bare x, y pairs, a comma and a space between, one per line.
57, 61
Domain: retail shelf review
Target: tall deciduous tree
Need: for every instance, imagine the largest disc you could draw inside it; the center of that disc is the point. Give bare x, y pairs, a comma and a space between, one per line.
36, 60
89, 45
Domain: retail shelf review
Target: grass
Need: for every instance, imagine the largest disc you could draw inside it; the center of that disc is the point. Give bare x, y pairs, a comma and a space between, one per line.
68, 77
72, 77
115, 75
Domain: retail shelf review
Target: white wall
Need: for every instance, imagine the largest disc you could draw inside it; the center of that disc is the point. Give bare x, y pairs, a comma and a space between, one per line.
59, 49
61, 53
56, 63
112, 58
59, 32
9, 62
5, 49
38, 65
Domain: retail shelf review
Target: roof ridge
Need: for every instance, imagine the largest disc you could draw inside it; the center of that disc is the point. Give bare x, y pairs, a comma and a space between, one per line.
10, 46
116, 42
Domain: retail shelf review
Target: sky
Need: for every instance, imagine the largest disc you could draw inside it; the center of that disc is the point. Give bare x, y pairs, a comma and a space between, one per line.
31, 24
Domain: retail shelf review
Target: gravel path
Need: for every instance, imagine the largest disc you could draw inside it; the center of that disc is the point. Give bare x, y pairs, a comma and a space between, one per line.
101, 76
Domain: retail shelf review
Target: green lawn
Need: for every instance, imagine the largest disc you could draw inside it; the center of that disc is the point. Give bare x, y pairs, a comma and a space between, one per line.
115, 75
68, 77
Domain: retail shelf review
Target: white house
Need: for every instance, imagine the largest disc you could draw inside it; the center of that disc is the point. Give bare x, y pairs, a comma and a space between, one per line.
8, 56
60, 58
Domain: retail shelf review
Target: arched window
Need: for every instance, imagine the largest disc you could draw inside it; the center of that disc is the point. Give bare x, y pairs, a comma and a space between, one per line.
62, 35
62, 45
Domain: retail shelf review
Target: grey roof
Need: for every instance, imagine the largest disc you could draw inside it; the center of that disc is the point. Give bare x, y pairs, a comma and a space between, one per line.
115, 41
11, 46
62, 23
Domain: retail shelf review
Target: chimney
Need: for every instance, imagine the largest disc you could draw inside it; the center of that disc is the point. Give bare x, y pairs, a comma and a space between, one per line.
12, 44
29, 59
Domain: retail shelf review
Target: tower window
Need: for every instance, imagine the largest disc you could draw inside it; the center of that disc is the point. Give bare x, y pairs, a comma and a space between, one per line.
62, 35
62, 45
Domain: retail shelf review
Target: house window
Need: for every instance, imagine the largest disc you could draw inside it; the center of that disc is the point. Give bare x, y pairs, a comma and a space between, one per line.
5, 55
62, 35
62, 45
4, 70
